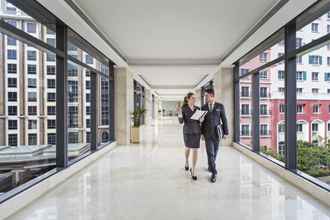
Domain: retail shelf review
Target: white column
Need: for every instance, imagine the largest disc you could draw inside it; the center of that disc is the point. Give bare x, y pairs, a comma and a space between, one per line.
198, 97
148, 106
123, 104
224, 93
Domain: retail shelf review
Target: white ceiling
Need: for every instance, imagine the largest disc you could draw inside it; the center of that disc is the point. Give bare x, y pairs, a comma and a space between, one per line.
174, 32
172, 29
170, 32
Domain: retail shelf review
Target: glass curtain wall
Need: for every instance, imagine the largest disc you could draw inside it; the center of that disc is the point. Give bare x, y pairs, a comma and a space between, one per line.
293, 115
32, 73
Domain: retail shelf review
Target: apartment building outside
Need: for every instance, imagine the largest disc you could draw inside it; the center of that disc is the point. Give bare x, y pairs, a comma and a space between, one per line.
313, 93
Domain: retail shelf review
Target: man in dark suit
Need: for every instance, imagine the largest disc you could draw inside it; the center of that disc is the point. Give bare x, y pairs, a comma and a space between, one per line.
214, 127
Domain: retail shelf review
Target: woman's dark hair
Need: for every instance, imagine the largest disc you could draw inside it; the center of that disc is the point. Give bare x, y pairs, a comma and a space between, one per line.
188, 96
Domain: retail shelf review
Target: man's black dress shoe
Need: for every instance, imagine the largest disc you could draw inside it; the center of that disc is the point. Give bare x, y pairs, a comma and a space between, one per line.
213, 178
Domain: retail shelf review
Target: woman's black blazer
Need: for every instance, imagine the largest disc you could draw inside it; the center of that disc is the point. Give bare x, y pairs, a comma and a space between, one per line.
189, 126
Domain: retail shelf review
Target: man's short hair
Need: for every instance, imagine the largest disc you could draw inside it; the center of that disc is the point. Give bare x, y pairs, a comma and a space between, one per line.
210, 91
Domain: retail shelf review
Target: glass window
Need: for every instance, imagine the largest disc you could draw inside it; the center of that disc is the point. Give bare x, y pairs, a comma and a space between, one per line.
315, 27
12, 68
12, 140
245, 91
315, 76
11, 41
32, 124
73, 137
51, 97
264, 131
32, 139
73, 116
32, 55
88, 110
12, 124
245, 110
11, 54
263, 109
299, 42
263, 57
264, 92
315, 91
89, 59
316, 108
51, 83
51, 138
105, 102
243, 71
12, 110
280, 74
301, 75
51, 70
32, 110
315, 59
73, 90
10, 9
12, 82
31, 27
72, 69
51, 57
12, 96
312, 135
263, 75
51, 124
51, 110
51, 41
32, 83
300, 108
88, 84
24, 120
32, 69
32, 96
327, 76
245, 130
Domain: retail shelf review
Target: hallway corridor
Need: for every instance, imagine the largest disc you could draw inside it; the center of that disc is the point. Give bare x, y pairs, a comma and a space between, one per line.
147, 181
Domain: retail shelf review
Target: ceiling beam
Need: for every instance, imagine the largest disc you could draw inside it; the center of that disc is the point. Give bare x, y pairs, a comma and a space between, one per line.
173, 62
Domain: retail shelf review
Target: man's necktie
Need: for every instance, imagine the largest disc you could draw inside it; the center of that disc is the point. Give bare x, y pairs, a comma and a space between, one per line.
211, 107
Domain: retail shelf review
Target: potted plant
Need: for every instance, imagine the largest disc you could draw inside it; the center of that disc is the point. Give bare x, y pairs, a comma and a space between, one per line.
136, 115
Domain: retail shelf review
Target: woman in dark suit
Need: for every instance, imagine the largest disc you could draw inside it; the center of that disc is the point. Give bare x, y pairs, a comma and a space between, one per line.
191, 131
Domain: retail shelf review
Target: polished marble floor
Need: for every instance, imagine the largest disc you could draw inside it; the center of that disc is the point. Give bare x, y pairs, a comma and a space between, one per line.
147, 181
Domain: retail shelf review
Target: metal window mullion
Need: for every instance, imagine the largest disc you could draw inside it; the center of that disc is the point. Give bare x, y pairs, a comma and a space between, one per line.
94, 111
111, 102
255, 112
290, 98
236, 104
61, 98
6, 28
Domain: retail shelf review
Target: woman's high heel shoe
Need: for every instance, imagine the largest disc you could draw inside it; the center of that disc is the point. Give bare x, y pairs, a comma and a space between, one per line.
192, 176
186, 167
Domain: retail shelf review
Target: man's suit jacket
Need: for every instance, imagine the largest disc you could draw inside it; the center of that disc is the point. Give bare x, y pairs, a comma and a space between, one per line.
213, 119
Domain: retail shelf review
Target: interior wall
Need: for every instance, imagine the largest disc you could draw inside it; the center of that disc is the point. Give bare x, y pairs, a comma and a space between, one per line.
169, 107
224, 92
123, 104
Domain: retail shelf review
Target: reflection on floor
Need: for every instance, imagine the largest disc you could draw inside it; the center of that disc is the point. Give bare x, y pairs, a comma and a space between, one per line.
147, 181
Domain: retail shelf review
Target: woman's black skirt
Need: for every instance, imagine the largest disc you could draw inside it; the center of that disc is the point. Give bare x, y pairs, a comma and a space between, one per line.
192, 140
